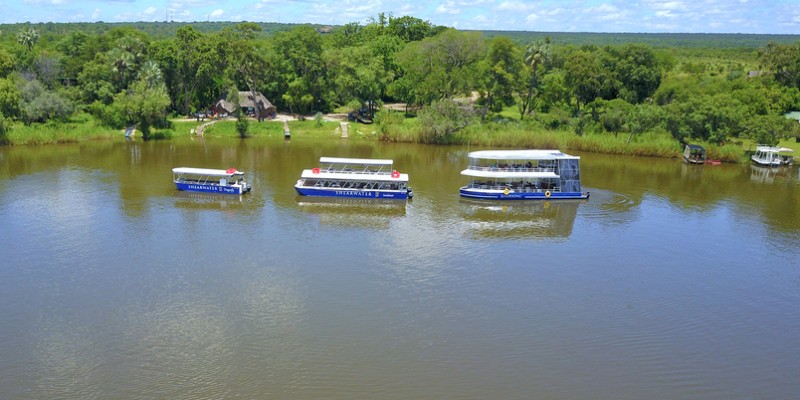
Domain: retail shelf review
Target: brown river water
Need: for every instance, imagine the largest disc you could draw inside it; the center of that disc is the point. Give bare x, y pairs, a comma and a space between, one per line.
670, 282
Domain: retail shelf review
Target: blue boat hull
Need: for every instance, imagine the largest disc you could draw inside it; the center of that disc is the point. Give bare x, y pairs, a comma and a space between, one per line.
194, 187
355, 193
500, 195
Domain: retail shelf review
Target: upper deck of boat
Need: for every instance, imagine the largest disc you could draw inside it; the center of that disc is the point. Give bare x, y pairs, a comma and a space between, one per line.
515, 163
520, 155
363, 169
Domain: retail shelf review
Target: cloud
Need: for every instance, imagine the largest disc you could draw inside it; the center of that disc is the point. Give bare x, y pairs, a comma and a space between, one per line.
216, 13
608, 12
515, 6
96, 13
448, 7
670, 5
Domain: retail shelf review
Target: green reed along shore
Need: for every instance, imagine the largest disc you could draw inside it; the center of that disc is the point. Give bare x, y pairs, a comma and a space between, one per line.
483, 134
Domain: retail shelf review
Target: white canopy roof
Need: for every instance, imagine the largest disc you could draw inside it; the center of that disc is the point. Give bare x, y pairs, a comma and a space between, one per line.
363, 161
520, 155
478, 173
773, 149
309, 174
206, 171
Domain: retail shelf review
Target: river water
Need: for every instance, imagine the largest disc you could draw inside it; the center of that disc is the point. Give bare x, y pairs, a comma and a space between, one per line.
670, 282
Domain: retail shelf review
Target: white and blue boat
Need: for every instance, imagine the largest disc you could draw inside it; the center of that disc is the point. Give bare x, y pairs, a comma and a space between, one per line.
224, 181
354, 177
523, 175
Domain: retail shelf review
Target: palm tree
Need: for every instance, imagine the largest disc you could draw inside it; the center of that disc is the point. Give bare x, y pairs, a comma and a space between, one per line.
122, 63
150, 73
28, 38
537, 54
132, 45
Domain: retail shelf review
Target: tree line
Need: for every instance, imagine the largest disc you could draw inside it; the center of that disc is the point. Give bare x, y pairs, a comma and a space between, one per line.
124, 76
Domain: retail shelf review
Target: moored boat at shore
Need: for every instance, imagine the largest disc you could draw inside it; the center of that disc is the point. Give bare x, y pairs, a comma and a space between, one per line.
354, 177
769, 156
694, 154
523, 175
224, 181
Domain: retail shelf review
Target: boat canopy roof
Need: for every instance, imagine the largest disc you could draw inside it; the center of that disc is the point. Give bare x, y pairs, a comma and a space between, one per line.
695, 147
362, 161
478, 173
350, 176
773, 149
520, 155
206, 171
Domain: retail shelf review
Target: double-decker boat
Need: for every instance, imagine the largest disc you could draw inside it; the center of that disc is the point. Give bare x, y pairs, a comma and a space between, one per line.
354, 177
768, 156
225, 181
523, 175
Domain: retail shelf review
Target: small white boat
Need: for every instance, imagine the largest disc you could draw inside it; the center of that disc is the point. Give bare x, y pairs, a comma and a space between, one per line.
225, 181
523, 175
769, 156
354, 177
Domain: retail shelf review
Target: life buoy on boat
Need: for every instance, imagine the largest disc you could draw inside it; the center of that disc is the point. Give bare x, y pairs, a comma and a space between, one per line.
507, 191
230, 170
315, 170
547, 194
395, 174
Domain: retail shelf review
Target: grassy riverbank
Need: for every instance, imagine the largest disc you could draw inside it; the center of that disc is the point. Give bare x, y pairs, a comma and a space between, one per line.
79, 128
492, 134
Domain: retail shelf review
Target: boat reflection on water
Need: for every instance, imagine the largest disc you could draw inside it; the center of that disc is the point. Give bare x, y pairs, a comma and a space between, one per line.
761, 174
520, 220
207, 201
353, 212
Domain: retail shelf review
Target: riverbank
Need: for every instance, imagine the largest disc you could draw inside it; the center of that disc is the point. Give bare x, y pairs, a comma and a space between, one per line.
499, 135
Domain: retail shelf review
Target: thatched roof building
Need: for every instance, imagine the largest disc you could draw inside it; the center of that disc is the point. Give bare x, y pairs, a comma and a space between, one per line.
248, 104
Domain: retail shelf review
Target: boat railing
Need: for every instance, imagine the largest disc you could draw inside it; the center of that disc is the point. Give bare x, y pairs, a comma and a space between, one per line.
196, 179
355, 171
517, 189
207, 180
511, 169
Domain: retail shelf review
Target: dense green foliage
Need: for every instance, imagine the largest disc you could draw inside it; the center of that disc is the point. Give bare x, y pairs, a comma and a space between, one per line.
635, 89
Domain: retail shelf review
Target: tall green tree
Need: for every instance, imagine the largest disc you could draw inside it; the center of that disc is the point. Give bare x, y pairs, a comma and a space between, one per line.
584, 76
770, 129
442, 66
7, 63
144, 104
501, 74
409, 29
298, 69
10, 98
198, 66
783, 61
243, 57
638, 69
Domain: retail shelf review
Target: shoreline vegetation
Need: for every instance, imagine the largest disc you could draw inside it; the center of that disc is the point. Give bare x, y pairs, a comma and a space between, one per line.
487, 134
411, 81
